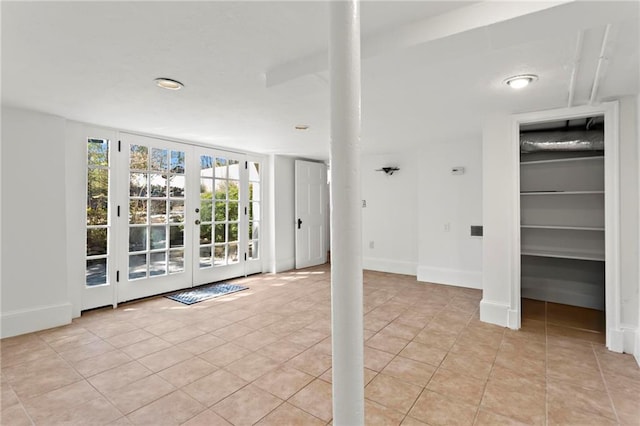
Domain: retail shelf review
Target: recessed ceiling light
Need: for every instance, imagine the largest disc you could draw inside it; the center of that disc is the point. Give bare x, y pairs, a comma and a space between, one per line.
520, 81
168, 83
302, 127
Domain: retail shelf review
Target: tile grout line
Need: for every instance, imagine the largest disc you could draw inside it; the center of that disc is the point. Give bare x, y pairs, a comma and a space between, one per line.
424, 388
486, 383
606, 387
546, 368
84, 379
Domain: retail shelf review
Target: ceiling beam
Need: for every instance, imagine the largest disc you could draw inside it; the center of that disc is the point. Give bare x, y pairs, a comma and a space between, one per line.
457, 21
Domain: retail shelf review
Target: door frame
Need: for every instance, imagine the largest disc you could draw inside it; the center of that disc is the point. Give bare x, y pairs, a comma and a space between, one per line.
161, 284
78, 132
245, 265
614, 333
297, 214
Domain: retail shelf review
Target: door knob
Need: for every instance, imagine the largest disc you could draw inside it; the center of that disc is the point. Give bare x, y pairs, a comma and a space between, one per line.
299, 223
197, 221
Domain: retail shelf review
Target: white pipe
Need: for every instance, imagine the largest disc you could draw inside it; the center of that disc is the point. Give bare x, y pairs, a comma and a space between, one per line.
574, 72
601, 59
346, 223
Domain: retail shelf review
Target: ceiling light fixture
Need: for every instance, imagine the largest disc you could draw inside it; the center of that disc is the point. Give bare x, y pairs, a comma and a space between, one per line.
302, 127
168, 83
520, 81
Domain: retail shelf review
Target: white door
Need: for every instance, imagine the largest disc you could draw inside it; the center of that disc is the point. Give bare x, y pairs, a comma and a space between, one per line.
163, 216
100, 264
154, 236
226, 216
311, 214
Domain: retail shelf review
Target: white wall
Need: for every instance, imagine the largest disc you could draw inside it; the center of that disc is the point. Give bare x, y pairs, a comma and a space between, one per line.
389, 220
447, 206
497, 204
499, 171
34, 274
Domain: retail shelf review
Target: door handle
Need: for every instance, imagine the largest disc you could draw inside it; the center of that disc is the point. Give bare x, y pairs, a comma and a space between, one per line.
197, 221
299, 223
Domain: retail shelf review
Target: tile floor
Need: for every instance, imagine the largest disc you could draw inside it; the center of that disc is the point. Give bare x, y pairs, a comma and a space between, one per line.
263, 356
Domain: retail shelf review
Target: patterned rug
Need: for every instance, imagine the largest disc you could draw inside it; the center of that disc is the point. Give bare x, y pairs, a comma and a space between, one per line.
208, 291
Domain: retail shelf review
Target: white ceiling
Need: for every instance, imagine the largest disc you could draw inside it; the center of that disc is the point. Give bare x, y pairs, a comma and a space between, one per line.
253, 70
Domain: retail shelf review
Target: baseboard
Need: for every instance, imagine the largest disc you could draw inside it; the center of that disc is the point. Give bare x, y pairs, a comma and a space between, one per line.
513, 319
36, 319
615, 340
624, 339
391, 266
496, 313
636, 352
454, 277
629, 339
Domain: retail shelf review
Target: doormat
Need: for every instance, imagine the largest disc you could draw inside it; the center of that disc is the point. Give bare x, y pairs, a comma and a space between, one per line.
199, 294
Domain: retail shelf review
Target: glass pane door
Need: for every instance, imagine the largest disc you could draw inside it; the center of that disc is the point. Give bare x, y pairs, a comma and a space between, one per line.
99, 262
221, 232
254, 262
155, 230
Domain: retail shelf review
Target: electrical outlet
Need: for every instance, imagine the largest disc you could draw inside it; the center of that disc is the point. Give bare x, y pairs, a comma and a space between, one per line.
447, 227
371, 244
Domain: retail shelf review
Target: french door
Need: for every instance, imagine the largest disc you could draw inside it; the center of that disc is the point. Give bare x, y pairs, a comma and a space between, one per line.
227, 212
154, 237
174, 216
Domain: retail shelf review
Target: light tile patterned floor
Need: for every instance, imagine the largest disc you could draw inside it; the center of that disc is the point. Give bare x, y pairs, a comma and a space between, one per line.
263, 356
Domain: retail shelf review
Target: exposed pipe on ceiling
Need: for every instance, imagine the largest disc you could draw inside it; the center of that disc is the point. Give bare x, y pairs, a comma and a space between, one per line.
601, 59
563, 140
574, 71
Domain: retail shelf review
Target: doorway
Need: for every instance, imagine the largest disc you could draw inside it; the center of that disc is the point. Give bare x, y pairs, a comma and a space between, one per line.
169, 216
567, 257
311, 213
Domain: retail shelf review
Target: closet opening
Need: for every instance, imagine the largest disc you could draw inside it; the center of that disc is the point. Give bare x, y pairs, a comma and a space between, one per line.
562, 226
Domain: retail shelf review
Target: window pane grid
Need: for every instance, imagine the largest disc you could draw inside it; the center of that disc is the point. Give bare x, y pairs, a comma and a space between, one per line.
253, 246
97, 213
219, 203
156, 211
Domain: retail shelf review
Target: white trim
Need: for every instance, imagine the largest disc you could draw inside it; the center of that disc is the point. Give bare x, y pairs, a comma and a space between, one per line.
495, 313
454, 277
513, 319
636, 352
388, 265
629, 338
615, 339
612, 208
35, 319
612, 216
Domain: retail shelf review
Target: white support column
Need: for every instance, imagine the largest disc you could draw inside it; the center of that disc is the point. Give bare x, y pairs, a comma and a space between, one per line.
346, 227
